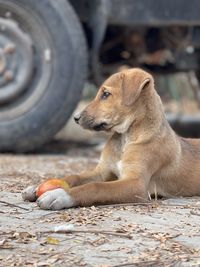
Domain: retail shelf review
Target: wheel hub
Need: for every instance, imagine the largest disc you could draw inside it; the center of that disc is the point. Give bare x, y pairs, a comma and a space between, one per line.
16, 60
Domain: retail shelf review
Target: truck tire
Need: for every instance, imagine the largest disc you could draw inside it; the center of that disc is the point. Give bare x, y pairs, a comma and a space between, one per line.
43, 65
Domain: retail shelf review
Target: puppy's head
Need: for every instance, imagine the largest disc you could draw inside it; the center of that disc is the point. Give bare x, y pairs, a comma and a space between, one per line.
115, 103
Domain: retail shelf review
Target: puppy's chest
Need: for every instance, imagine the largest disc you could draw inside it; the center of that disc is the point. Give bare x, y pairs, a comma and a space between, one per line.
116, 164
116, 168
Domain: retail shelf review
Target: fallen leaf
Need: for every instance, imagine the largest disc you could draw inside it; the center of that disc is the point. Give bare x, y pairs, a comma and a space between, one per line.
52, 241
2, 242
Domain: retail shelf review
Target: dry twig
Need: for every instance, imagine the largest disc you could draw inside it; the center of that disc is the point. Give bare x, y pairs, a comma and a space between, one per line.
13, 205
139, 263
194, 213
146, 204
92, 231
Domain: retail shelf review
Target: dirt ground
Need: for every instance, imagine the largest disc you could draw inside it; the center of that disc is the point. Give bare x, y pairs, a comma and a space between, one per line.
162, 233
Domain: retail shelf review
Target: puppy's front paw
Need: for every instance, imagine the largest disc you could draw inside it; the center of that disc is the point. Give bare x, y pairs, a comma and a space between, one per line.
29, 193
56, 199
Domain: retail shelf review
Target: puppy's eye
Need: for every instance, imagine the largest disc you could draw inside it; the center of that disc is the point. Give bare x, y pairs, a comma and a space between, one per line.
105, 95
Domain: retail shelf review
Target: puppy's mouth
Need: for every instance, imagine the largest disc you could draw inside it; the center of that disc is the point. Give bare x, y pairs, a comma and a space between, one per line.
101, 127
91, 125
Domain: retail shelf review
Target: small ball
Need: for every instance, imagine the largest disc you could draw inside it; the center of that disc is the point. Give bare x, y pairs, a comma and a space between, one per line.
51, 184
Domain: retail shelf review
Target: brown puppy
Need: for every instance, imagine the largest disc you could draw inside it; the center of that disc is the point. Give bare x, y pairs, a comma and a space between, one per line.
143, 155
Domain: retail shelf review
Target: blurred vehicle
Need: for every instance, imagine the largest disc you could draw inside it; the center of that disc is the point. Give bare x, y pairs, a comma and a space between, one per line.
46, 45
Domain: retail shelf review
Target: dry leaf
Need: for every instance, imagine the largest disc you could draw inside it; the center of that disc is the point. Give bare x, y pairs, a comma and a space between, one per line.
2, 242
52, 241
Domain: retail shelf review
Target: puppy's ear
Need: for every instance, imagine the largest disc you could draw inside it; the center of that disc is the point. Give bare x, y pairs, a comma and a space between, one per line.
132, 87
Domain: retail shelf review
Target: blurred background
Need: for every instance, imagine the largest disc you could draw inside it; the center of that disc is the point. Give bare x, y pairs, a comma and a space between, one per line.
55, 54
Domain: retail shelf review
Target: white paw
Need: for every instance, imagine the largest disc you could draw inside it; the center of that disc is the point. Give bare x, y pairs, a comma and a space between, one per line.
56, 199
29, 193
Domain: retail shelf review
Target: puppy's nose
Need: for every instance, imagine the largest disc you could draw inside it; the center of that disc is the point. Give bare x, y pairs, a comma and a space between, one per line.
77, 117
